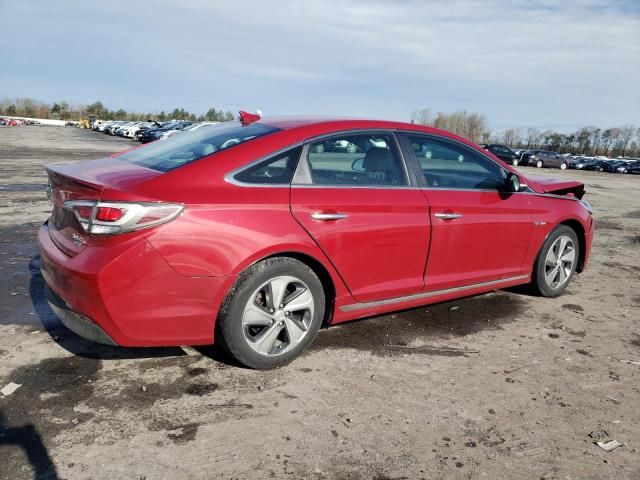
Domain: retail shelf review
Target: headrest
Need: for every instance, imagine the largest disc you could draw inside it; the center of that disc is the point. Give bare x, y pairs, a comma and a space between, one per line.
377, 158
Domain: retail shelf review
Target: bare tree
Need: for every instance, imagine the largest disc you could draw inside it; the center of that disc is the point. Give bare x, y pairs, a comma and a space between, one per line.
508, 137
422, 117
627, 133
532, 137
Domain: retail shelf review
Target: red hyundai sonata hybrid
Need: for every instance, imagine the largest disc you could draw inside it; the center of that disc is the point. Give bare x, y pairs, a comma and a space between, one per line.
255, 233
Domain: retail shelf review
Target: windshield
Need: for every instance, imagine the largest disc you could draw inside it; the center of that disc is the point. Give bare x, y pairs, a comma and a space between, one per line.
178, 150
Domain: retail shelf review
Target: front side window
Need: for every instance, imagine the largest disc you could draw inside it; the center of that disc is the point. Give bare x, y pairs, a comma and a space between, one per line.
363, 159
446, 164
276, 170
178, 150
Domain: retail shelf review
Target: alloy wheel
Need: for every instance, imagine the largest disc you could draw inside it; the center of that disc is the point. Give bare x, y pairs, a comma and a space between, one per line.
539, 164
278, 315
563, 166
559, 262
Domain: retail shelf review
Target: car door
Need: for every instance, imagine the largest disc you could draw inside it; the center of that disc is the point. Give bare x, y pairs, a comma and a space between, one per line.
479, 231
352, 193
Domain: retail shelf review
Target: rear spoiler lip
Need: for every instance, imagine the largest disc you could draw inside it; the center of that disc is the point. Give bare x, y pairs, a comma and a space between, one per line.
57, 169
103, 173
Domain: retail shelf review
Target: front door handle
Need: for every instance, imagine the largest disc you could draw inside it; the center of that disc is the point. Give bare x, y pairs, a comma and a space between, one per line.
448, 216
325, 217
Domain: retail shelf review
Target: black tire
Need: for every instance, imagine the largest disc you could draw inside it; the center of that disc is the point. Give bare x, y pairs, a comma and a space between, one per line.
539, 284
230, 331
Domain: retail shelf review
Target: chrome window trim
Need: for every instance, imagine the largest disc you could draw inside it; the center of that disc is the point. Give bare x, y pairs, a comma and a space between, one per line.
417, 296
305, 168
370, 187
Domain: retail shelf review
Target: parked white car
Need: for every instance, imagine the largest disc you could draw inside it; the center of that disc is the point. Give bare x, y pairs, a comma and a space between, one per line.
170, 133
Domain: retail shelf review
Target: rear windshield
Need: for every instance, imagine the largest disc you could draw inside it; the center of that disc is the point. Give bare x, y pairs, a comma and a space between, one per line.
178, 150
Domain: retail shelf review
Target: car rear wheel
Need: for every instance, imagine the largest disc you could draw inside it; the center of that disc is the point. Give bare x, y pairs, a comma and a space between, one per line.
272, 313
563, 166
539, 164
318, 148
556, 262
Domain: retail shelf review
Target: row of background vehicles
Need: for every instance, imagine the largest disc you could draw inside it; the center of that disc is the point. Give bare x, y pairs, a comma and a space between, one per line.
547, 158
148, 131
16, 122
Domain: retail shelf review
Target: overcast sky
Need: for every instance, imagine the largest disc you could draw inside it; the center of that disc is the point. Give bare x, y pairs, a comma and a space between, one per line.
548, 64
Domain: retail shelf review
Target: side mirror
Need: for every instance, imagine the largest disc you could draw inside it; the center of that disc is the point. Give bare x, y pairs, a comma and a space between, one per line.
512, 182
358, 165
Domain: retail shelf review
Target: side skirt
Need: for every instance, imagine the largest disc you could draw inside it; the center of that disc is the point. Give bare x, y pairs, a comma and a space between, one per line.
419, 297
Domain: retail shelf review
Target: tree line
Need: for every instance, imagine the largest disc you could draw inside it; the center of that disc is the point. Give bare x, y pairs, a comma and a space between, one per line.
63, 110
588, 140
623, 140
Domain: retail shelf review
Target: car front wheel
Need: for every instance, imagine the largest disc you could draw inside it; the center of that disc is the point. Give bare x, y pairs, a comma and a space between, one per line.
514, 163
272, 313
556, 262
539, 164
563, 166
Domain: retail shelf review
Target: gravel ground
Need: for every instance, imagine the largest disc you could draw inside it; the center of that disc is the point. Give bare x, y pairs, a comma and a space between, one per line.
499, 386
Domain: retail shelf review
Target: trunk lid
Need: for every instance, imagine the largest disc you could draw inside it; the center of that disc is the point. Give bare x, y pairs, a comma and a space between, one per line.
555, 186
85, 181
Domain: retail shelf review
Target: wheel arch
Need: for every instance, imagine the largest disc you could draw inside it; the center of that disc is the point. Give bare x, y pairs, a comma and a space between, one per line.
577, 227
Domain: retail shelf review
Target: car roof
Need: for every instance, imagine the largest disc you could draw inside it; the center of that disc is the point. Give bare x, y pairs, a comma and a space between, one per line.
320, 124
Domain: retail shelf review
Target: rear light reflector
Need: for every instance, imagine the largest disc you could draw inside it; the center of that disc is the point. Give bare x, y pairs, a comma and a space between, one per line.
104, 218
84, 211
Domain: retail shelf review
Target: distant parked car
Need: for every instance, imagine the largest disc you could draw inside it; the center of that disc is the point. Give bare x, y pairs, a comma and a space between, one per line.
619, 166
634, 167
544, 158
578, 163
154, 134
190, 128
503, 153
595, 165
111, 129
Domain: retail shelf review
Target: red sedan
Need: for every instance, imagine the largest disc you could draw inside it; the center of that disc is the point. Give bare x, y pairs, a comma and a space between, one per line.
256, 233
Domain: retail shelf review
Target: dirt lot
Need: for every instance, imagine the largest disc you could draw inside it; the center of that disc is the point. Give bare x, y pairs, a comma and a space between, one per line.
499, 386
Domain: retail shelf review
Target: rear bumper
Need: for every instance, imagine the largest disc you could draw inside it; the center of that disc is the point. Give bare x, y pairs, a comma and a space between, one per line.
127, 294
76, 322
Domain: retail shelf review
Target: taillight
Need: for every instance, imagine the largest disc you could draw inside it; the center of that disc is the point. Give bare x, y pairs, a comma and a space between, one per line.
104, 218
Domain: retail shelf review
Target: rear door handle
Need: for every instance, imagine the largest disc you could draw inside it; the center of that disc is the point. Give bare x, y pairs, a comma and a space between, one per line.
325, 217
448, 216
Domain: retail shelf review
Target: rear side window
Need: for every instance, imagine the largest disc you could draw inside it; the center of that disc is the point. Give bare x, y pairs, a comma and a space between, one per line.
369, 159
277, 170
178, 150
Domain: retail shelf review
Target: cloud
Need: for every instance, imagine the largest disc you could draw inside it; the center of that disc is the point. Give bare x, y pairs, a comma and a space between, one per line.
533, 63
